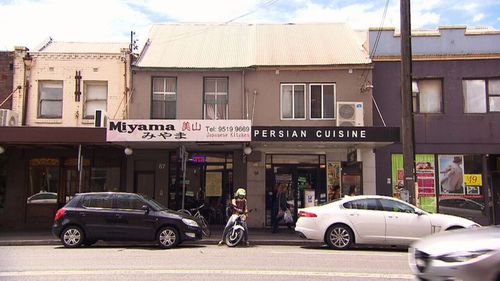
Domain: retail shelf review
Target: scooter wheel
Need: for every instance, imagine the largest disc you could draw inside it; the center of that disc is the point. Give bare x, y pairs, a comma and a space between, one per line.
233, 238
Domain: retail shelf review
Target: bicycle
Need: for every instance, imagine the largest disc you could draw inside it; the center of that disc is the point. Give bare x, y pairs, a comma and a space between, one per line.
195, 212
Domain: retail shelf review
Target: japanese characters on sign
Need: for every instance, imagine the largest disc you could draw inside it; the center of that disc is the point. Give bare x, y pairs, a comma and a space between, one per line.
178, 130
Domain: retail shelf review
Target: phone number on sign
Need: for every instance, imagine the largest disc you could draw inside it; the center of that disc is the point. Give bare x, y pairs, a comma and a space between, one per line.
228, 129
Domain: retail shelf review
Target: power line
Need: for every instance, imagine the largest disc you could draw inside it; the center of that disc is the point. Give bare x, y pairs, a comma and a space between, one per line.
203, 30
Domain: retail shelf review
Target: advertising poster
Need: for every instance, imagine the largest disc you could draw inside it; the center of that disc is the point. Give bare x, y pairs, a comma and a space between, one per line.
213, 184
473, 184
451, 174
309, 198
426, 180
333, 180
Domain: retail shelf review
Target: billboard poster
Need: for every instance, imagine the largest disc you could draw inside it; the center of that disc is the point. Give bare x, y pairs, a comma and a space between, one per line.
333, 180
451, 174
426, 180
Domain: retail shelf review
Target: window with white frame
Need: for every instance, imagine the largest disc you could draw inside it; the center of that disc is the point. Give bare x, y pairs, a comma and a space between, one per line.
164, 98
96, 97
293, 101
215, 98
322, 101
427, 96
481, 95
50, 100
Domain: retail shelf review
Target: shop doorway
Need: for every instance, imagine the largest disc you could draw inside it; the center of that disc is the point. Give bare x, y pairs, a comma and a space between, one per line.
208, 181
352, 178
298, 183
144, 183
304, 184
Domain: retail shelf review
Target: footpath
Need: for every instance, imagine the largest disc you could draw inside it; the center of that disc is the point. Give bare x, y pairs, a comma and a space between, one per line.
256, 237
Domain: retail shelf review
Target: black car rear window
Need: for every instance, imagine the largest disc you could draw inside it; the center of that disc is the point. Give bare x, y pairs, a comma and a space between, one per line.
98, 201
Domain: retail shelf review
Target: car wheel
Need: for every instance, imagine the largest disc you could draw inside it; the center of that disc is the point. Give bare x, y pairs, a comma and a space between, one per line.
454, 228
168, 237
339, 237
72, 237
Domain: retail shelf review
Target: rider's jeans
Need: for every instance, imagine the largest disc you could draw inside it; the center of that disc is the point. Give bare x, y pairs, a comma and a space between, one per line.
230, 223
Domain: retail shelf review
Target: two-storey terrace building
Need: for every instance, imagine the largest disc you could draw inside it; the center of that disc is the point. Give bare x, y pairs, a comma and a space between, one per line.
304, 88
456, 111
56, 148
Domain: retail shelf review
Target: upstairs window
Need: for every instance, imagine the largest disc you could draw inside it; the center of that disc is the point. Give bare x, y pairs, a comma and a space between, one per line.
293, 101
164, 98
96, 97
50, 100
427, 96
481, 95
215, 98
322, 101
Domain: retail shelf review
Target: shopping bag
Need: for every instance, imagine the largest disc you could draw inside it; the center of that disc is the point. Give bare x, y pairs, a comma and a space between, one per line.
287, 216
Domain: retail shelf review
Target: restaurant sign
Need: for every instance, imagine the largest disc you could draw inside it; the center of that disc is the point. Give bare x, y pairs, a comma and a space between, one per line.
156, 130
335, 134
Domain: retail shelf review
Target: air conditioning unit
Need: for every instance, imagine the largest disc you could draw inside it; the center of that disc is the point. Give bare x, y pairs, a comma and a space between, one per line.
9, 118
100, 118
350, 114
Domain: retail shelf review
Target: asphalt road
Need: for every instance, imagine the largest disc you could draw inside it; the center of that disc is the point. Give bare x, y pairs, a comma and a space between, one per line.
199, 262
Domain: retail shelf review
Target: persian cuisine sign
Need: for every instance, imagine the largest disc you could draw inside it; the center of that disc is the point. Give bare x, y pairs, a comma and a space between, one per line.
178, 130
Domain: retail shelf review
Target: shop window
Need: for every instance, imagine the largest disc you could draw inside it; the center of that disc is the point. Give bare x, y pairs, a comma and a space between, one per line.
466, 198
322, 101
43, 179
50, 99
73, 182
293, 101
481, 95
215, 98
105, 179
164, 98
96, 97
427, 96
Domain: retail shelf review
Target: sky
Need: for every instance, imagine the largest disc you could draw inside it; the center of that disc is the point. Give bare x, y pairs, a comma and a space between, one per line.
29, 23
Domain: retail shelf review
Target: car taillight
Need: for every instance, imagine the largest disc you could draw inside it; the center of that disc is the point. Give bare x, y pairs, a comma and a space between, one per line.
60, 213
307, 214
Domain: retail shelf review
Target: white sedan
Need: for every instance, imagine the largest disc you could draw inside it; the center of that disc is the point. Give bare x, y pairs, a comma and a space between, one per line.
372, 219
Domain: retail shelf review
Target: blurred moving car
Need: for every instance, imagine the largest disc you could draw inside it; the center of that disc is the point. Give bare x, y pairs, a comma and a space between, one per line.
90, 217
468, 254
464, 207
372, 219
42, 197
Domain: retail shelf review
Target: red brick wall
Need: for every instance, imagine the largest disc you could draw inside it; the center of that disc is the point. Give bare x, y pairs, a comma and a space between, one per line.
6, 77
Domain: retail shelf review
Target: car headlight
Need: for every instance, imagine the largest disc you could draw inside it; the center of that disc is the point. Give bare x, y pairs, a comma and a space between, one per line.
190, 222
463, 256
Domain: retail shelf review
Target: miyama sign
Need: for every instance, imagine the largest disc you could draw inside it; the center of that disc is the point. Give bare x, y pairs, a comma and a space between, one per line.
178, 130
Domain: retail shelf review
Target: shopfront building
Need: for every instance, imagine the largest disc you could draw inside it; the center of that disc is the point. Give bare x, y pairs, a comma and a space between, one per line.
455, 89
314, 165
184, 164
43, 168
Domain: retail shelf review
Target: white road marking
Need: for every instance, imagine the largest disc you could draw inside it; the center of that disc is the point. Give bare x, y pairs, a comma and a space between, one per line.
343, 253
383, 276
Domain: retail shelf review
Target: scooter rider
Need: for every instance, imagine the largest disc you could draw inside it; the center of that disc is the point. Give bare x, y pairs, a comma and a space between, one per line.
238, 206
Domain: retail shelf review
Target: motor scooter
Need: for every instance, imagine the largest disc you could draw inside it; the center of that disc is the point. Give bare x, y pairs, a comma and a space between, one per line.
236, 233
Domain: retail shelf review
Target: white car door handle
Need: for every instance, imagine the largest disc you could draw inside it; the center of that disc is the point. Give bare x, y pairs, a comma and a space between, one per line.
354, 214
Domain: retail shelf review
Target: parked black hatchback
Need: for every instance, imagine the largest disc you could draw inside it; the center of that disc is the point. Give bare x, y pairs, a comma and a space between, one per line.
117, 216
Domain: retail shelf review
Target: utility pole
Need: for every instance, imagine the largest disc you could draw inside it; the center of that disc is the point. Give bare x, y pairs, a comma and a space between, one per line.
408, 133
